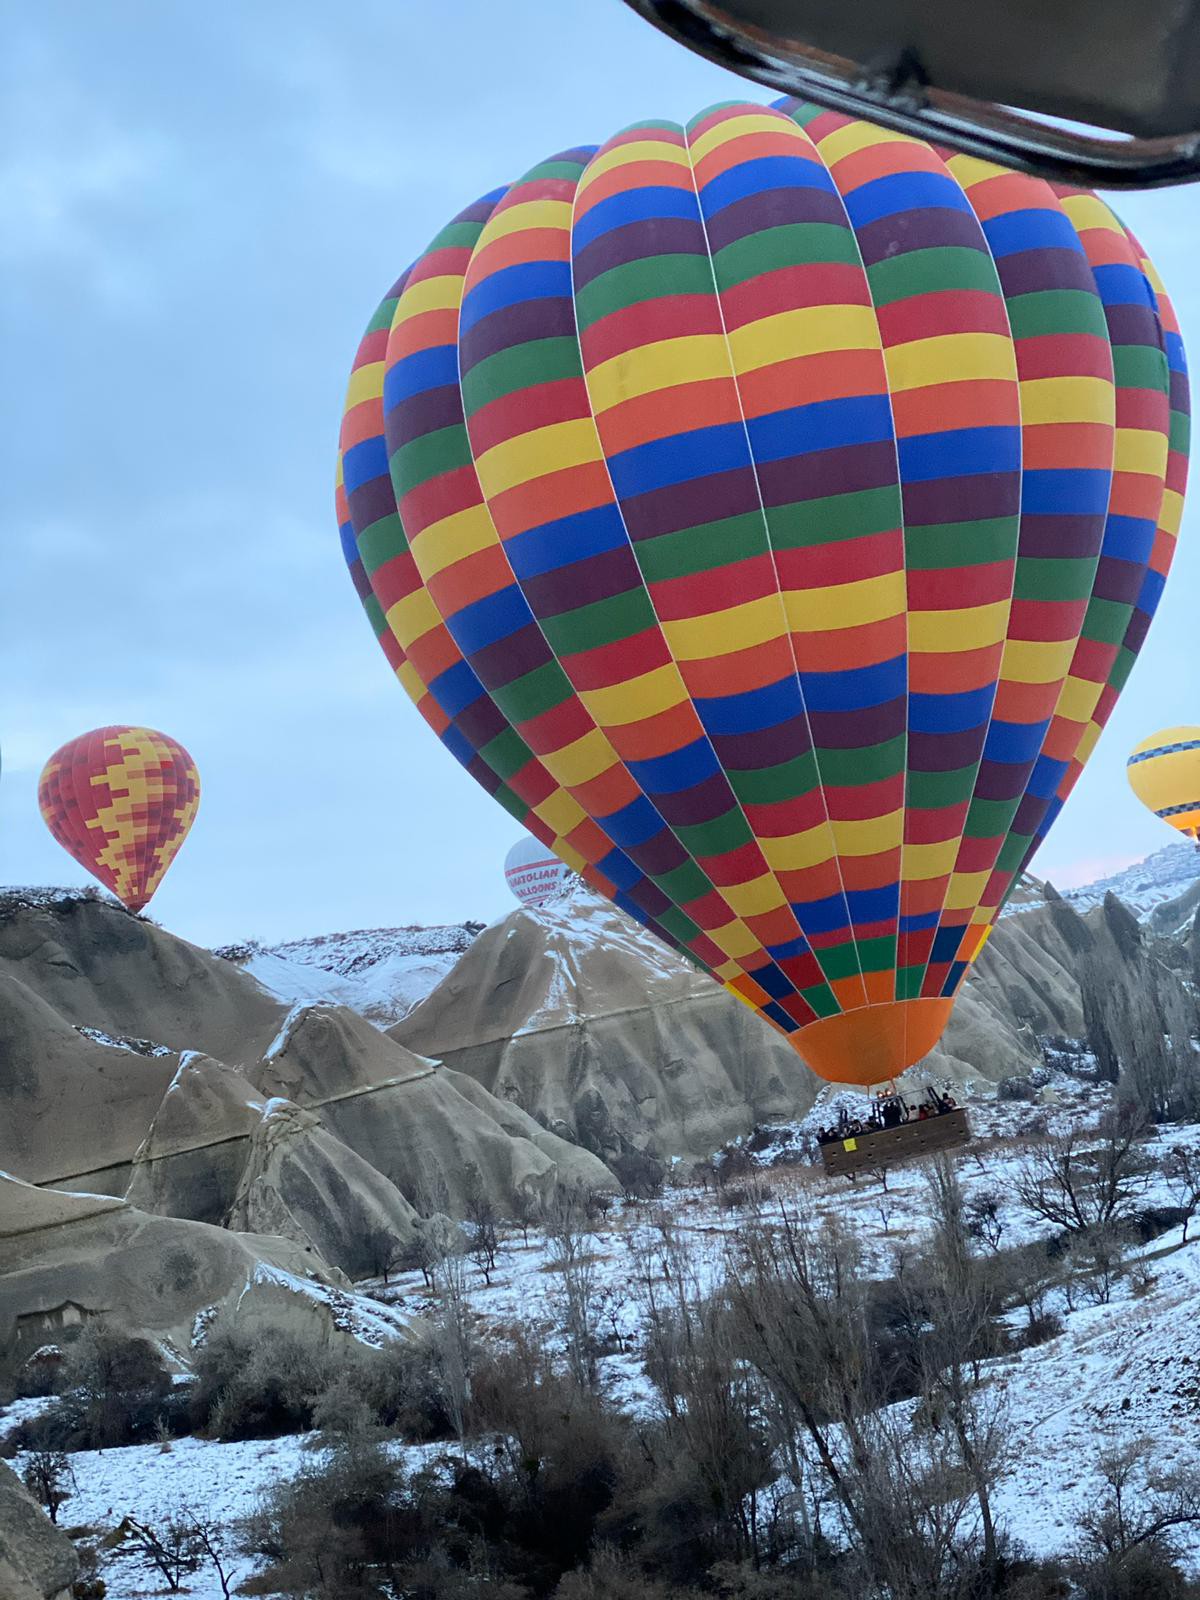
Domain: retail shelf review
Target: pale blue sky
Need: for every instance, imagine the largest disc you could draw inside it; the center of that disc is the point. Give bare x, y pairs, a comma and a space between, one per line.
203, 205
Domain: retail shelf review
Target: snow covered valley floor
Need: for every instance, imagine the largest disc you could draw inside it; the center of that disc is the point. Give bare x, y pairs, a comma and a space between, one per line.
1116, 1373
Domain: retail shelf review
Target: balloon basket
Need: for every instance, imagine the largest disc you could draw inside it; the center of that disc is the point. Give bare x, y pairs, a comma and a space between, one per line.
888, 1147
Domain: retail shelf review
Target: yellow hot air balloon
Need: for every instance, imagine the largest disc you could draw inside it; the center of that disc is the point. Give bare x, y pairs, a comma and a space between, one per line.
1164, 773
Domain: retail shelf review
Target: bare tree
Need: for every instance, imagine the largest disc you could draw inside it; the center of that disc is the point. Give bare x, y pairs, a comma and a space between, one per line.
173, 1549
985, 1219
711, 1401
1137, 1506
46, 1474
208, 1536
1181, 1169
1086, 1178
569, 1234
482, 1219
382, 1251
912, 1483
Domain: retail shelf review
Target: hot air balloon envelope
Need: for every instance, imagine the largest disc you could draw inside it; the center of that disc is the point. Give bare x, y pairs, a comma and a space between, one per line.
121, 801
767, 511
533, 873
1164, 773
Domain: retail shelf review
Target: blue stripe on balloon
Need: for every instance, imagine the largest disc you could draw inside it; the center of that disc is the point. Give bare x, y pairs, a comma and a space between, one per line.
823, 425
779, 1015
1045, 777
456, 688
855, 688
873, 905
1069, 491
950, 713
959, 453
1151, 592
777, 984
424, 369
954, 978
945, 944
619, 869
679, 459
1014, 743
764, 173
921, 922
1035, 229
485, 621
903, 191
533, 280
634, 205
565, 540
459, 746
1121, 285
364, 462
633, 824
1129, 538
790, 950
681, 769
751, 710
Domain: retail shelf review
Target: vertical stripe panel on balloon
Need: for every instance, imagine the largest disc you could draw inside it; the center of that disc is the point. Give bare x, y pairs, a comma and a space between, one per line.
455, 705
798, 320
1102, 656
1064, 364
953, 382
458, 558
551, 501
450, 698
667, 412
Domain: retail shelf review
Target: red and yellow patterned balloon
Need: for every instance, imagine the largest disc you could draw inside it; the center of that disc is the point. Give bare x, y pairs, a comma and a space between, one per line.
121, 801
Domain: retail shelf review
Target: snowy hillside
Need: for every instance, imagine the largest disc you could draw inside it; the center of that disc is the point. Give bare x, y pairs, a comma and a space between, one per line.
1166, 875
379, 972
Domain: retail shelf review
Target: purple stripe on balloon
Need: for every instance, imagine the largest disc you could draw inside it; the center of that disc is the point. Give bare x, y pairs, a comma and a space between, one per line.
637, 241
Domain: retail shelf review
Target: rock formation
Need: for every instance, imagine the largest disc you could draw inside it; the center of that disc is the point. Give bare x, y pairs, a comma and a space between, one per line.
412, 1120
37, 1560
66, 1258
580, 1018
100, 967
72, 1109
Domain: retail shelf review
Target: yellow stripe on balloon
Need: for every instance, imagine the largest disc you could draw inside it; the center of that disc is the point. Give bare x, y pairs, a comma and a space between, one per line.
720, 633
846, 605
869, 836
463, 533
1141, 450
756, 898
856, 136
971, 628
1036, 660
366, 383
531, 455
621, 155
443, 293
636, 698
806, 331
950, 358
661, 365
1070, 399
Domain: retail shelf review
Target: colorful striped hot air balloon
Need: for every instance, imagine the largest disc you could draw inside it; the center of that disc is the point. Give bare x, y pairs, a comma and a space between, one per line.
768, 511
1164, 773
121, 801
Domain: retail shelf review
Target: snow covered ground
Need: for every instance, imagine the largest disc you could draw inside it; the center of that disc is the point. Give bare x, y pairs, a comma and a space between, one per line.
1165, 875
381, 972
1117, 1373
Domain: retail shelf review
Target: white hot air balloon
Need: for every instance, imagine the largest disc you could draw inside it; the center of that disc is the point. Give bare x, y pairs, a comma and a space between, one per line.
533, 873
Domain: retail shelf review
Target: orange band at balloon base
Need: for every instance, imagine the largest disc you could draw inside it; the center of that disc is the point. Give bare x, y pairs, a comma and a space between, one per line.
874, 1043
